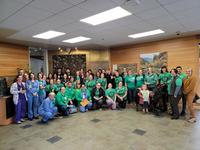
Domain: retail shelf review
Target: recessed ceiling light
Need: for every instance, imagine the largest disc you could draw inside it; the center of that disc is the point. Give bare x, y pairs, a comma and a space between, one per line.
148, 33
77, 39
48, 35
106, 16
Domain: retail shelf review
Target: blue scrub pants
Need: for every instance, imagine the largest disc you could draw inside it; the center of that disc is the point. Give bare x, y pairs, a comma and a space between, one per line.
33, 105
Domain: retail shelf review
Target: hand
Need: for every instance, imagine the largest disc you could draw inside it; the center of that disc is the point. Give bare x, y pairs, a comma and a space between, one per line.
71, 103
35, 94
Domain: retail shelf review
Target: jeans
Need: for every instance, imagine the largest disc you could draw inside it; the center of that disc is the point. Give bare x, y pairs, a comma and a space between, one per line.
183, 103
131, 95
49, 115
111, 103
84, 108
175, 101
63, 109
33, 106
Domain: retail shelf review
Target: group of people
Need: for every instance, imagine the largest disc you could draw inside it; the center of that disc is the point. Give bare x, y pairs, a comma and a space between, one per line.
64, 93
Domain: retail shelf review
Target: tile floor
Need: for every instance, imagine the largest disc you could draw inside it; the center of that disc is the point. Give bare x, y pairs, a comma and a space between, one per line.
103, 130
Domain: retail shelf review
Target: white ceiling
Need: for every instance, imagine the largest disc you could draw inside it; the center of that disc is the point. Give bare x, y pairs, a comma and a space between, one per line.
26, 18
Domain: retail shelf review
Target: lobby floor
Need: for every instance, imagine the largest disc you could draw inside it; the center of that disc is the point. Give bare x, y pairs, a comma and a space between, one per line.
103, 130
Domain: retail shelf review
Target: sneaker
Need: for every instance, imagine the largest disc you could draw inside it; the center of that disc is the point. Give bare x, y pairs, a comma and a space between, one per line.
22, 120
192, 120
18, 122
36, 117
30, 119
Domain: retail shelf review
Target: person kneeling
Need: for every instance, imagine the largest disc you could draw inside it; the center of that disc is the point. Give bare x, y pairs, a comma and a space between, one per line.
111, 97
97, 96
84, 99
47, 109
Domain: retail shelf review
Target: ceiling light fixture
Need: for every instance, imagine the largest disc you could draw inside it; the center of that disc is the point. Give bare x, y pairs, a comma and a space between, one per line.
106, 16
48, 35
77, 39
148, 33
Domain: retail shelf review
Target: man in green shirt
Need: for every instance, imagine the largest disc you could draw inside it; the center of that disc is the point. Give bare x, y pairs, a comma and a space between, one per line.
182, 75
140, 77
51, 87
111, 97
59, 84
151, 79
62, 102
70, 93
130, 84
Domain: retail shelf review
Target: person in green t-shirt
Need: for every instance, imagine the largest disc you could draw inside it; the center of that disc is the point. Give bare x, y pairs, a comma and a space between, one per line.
130, 84
59, 84
117, 79
51, 87
70, 92
121, 93
111, 97
73, 82
42, 86
151, 79
84, 95
91, 83
140, 77
182, 75
175, 92
164, 78
62, 102
102, 81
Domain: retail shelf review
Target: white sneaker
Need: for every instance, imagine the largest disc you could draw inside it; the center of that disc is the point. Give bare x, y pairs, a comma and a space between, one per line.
19, 122
22, 120
192, 120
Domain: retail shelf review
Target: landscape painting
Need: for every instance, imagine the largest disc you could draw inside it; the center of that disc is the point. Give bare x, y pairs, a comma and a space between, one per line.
154, 60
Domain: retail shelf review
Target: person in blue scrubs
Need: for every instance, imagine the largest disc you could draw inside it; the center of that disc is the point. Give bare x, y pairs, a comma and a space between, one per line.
32, 89
48, 109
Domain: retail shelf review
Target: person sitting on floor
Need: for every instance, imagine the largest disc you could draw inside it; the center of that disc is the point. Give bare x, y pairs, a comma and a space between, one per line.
97, 96
47, 109
84, 99
111, 97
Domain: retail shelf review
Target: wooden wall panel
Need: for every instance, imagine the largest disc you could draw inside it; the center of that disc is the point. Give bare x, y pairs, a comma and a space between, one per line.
181, 51
11, 58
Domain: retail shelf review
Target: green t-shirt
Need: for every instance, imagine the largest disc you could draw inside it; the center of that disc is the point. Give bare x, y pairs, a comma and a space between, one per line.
130, 81
59, 86
97, 93
61, 99
80, 94
121, 91
183, 76
179, 83
151, 79
103, 82
117, 80
41, 83
139, 81
90, 85
111, 93
70, 92
165, 77
50, 88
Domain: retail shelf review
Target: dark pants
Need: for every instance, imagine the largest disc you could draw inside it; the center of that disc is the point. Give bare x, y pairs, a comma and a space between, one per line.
20, 110
174, 103
121, 104
63, 110
131, 95
183, 103
145, 105
164, 97
97, 104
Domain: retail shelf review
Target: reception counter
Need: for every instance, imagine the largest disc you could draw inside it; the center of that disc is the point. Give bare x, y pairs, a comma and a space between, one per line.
7, 110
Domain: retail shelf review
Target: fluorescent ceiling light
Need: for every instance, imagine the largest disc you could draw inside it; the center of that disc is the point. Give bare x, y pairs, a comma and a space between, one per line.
149, 33
77, 39
48, 35
106, 16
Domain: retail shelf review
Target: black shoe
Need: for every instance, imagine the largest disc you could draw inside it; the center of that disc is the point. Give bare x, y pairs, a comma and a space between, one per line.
174, 118
182, 114
36, 117
30, 119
